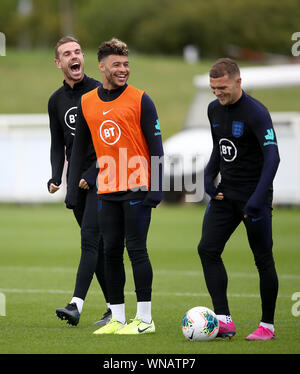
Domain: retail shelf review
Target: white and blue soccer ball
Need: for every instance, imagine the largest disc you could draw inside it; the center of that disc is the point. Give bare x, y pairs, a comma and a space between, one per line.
200, 324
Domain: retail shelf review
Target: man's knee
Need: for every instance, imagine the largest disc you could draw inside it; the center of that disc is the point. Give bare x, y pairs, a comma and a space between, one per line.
208, 253
264, 261
90, 240
138, 255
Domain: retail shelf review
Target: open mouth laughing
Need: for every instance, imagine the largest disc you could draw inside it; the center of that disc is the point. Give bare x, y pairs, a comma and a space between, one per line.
75, 67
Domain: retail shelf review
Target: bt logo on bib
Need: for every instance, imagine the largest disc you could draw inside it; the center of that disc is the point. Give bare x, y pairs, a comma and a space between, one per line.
228, 150
110, 132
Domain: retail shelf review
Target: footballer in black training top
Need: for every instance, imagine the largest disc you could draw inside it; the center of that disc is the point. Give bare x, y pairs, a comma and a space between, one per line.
62, 108
245, 153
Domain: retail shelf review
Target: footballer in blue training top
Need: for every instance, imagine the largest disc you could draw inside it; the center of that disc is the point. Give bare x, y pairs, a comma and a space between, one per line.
245, 153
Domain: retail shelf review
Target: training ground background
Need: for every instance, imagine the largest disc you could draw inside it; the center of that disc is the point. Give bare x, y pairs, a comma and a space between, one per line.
40, 244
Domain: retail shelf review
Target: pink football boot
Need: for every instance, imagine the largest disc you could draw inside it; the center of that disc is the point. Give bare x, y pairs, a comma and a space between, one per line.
226, 330
261, 333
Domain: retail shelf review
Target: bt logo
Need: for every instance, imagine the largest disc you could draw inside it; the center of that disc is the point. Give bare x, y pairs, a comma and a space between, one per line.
70, 118
110, 132
227, 149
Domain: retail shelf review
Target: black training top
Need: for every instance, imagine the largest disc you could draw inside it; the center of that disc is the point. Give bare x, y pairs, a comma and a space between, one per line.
62, 109
245, 152
152, 134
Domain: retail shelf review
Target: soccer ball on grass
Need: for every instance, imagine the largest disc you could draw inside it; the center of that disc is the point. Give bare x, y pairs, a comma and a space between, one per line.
200, 324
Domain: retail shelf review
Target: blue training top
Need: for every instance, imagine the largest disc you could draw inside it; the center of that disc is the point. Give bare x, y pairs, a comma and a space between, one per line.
245, 152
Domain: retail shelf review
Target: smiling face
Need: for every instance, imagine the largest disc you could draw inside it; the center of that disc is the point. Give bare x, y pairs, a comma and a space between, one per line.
115, 71
71, 62
227, 89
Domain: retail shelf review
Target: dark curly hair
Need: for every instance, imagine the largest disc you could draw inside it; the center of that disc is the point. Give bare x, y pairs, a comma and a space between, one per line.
112, 47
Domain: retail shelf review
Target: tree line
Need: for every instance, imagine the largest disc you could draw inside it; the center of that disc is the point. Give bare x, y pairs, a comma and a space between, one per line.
155, 26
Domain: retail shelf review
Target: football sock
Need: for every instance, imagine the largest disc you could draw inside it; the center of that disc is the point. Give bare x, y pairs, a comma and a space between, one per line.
224, 318
118, 312
79, 303
144, 311
269, 326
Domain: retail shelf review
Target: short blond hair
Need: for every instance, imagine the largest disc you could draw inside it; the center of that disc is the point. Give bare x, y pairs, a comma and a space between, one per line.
112, 47
224, 66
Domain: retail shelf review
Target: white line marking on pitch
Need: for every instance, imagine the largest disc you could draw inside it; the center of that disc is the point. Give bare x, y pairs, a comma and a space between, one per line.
178, 294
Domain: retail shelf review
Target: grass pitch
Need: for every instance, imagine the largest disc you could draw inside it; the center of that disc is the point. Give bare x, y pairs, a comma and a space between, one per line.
40, 249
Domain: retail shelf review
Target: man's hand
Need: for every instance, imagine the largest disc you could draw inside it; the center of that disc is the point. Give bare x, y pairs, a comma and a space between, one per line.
83, 184
219, 196
53, 188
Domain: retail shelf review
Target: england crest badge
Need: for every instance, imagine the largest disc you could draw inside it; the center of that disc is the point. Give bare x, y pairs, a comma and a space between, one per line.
237, 129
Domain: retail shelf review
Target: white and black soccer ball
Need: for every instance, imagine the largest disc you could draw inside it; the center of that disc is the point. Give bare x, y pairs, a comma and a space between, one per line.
200, 324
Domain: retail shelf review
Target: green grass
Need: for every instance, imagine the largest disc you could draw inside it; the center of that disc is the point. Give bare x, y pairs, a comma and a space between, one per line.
28, 78
40, 253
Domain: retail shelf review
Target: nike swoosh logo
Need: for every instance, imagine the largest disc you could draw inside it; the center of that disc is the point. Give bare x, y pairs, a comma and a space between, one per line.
256, 219
135, 202
107, 112
140, 331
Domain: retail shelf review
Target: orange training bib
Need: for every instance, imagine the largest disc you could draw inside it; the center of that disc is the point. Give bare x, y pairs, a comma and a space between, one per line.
119, 142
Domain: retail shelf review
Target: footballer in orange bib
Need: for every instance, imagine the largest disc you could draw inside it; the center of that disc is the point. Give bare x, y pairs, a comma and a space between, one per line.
123, 124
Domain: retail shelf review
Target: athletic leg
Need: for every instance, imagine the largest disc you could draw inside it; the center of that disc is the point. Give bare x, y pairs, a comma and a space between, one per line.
86, 216
259, 231
80, 207
100, 269
137, 221
219, 222
92, 257
111, 221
